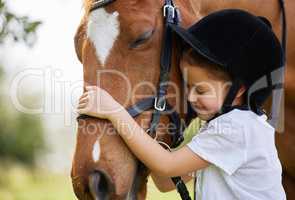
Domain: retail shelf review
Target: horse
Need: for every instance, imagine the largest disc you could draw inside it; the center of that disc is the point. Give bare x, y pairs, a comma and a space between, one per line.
119, 46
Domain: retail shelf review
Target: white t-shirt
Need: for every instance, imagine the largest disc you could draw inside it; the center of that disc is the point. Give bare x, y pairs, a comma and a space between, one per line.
241, 148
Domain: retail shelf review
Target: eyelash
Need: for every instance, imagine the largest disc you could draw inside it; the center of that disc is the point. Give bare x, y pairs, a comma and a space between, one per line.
197, 90
200, 91
142, 39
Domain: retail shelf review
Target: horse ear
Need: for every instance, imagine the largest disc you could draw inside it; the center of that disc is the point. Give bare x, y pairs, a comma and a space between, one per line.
266, 21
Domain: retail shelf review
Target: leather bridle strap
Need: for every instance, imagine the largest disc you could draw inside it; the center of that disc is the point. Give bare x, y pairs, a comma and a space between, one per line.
99, 4
171, 16
284, 26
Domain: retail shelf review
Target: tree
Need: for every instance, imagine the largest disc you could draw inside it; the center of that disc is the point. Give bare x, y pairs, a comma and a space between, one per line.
21, 135
17, 28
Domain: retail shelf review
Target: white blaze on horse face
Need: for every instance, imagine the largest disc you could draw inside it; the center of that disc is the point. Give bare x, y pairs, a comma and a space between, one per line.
96, 151
103, 30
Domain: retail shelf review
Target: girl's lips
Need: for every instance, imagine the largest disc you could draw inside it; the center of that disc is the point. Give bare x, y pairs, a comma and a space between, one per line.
200, 110
197, 107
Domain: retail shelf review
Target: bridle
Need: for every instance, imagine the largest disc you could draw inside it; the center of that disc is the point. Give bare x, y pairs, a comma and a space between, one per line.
158, 103
99, 4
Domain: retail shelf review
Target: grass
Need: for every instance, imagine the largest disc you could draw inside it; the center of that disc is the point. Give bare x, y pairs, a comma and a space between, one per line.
20, 183
154, 194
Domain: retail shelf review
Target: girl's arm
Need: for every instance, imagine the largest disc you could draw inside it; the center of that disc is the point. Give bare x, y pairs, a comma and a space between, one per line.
98, 103
153, 155
165, 184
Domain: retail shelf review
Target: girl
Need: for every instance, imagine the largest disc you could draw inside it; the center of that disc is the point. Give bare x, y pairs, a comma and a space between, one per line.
234, 154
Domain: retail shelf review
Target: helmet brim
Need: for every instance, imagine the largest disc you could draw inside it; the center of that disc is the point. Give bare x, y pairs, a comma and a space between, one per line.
195, 44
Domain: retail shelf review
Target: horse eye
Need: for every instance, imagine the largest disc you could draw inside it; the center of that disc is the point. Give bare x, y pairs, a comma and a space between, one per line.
141, 39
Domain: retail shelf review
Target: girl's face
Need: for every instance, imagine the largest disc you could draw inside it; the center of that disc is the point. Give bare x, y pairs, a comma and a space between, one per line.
206, 93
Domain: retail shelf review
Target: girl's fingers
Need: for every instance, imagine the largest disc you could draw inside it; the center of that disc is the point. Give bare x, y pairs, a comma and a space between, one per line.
88, 88
81, 111
82, 105
84, 100
87, 94
83, 95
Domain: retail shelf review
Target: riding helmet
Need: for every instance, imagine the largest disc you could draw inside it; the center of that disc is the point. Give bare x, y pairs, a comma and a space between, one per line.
243, 45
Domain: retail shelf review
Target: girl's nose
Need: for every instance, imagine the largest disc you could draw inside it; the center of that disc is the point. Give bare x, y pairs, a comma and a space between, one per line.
192, 97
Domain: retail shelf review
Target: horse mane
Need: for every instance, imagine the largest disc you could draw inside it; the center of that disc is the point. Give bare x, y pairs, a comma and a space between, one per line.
87, 4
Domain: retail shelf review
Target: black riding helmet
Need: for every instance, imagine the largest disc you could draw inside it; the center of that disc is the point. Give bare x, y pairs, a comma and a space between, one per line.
243, 45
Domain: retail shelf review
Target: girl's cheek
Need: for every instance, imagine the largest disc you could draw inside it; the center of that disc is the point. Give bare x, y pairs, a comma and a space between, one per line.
210, 104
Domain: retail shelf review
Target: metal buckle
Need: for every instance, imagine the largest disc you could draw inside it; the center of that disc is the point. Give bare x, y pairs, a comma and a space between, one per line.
159, 108
169, 7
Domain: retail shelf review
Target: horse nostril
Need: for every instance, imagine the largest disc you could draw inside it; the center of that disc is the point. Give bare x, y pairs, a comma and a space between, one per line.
100, 186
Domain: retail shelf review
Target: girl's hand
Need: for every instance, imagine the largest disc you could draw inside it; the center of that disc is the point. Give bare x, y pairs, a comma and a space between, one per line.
97, 102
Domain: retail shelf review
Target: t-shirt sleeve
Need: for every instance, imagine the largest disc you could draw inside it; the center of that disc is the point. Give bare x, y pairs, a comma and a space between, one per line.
224, 147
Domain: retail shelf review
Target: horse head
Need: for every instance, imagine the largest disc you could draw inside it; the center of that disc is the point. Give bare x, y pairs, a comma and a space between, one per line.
119, 45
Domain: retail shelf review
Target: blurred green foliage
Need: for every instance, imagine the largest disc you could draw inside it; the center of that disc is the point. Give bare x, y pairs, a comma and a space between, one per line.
21, 135
17, 28
21, 183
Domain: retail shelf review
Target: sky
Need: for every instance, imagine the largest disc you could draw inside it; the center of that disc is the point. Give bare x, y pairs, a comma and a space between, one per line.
50, 71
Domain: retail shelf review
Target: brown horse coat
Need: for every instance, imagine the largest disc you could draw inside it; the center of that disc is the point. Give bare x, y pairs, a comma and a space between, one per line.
103, 44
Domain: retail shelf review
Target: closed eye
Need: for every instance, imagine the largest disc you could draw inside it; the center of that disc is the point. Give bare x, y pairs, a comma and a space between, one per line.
141, 39
198, 89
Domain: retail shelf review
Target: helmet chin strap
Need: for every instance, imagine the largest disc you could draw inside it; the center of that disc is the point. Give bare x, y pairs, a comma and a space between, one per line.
233, 91
229, 99
227, 104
